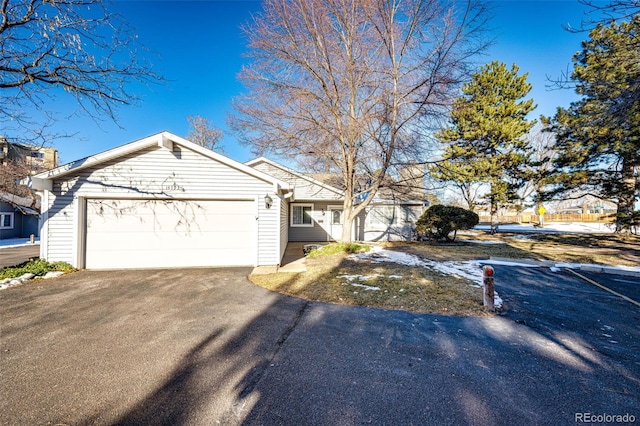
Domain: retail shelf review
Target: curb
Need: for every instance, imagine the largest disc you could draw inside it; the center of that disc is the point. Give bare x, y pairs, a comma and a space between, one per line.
602, 269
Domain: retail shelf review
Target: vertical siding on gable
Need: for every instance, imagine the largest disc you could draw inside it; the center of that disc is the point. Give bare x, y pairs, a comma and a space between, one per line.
158, 173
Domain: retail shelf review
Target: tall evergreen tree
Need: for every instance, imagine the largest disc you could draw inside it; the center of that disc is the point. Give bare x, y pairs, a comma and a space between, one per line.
485, 141
598, 137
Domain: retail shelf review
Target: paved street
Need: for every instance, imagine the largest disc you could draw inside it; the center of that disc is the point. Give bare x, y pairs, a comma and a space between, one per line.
205, 346
628, 285
11, 256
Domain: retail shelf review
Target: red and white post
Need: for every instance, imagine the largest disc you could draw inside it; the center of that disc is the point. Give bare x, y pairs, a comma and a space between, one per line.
488, 297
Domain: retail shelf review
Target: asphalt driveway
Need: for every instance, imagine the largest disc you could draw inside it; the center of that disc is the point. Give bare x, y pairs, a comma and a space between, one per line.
205, 346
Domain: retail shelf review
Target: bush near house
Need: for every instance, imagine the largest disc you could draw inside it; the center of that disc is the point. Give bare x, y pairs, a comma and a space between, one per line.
38, 267
438, 222
335, 248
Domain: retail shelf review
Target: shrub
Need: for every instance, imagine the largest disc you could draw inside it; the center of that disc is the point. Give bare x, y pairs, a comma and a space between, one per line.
335, 248
37, 267
438, 222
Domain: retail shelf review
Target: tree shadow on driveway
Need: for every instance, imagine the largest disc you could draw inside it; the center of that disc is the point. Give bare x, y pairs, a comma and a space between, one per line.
206, 346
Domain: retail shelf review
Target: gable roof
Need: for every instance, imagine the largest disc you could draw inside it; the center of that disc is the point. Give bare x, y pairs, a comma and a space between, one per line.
165, 140
23, 204
256, 161
333, 182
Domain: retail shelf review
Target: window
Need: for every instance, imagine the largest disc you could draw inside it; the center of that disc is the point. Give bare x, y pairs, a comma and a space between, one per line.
301, 215
6, 220
336, 217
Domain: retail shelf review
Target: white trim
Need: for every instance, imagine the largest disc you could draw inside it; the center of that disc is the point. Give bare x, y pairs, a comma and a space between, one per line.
277, 206
79, 251
75, 232
256, 231
301, 225
44, 225
163, 139
196, 197
12, 225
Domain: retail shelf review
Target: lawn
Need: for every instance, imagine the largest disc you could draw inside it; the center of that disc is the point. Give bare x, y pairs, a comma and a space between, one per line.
343, 278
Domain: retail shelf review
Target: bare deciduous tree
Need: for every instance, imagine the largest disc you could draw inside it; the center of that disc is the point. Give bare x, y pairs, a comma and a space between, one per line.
354, 84
71, 47
204, 133
11, 173
603, 12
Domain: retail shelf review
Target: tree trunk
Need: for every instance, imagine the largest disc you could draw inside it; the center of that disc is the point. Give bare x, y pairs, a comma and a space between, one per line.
626, 201
347, 221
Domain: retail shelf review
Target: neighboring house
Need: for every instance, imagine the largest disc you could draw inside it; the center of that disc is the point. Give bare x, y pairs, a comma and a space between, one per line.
163, 201
36, 158
17, 218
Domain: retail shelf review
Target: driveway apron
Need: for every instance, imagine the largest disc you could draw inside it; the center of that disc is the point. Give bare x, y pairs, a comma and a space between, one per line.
136, 347
204, 347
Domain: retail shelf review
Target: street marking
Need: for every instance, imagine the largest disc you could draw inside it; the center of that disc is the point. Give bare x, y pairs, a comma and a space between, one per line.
625, 281
628, 299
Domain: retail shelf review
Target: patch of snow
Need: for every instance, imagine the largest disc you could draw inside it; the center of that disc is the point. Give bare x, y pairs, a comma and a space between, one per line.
497, 300
360, 277
570, 227
488, 242
469, 269
53, 274
17, 242
366, 287
520, 237
510, 263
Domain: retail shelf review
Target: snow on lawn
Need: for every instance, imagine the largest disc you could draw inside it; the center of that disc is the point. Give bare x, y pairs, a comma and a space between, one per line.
469, 270
570, 227
489, 242
358, 277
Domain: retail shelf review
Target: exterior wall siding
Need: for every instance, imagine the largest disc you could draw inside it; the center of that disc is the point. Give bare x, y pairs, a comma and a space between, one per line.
318, 230
157, 173
16, 229
390, 222
304, 189
284, 226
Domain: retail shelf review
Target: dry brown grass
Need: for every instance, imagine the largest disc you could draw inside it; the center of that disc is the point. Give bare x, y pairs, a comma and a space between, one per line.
397, 287
604, 249
425, 290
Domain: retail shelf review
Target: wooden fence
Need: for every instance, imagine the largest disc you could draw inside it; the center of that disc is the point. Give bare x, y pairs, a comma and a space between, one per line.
534, 218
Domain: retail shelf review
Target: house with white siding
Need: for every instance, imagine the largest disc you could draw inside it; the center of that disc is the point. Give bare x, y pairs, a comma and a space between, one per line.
315, 209
164, 201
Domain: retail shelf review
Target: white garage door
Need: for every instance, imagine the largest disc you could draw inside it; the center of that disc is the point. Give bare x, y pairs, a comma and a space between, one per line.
169, 233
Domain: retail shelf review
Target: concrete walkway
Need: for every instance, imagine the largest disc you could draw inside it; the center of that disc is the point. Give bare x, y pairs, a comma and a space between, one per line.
292, 261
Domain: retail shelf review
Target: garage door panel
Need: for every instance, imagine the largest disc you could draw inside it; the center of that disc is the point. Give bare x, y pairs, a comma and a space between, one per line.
165, 233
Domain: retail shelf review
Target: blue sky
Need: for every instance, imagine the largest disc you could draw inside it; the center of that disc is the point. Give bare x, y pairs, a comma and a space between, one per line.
199, 48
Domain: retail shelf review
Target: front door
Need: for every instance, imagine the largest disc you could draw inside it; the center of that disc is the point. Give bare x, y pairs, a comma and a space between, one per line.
335, 223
